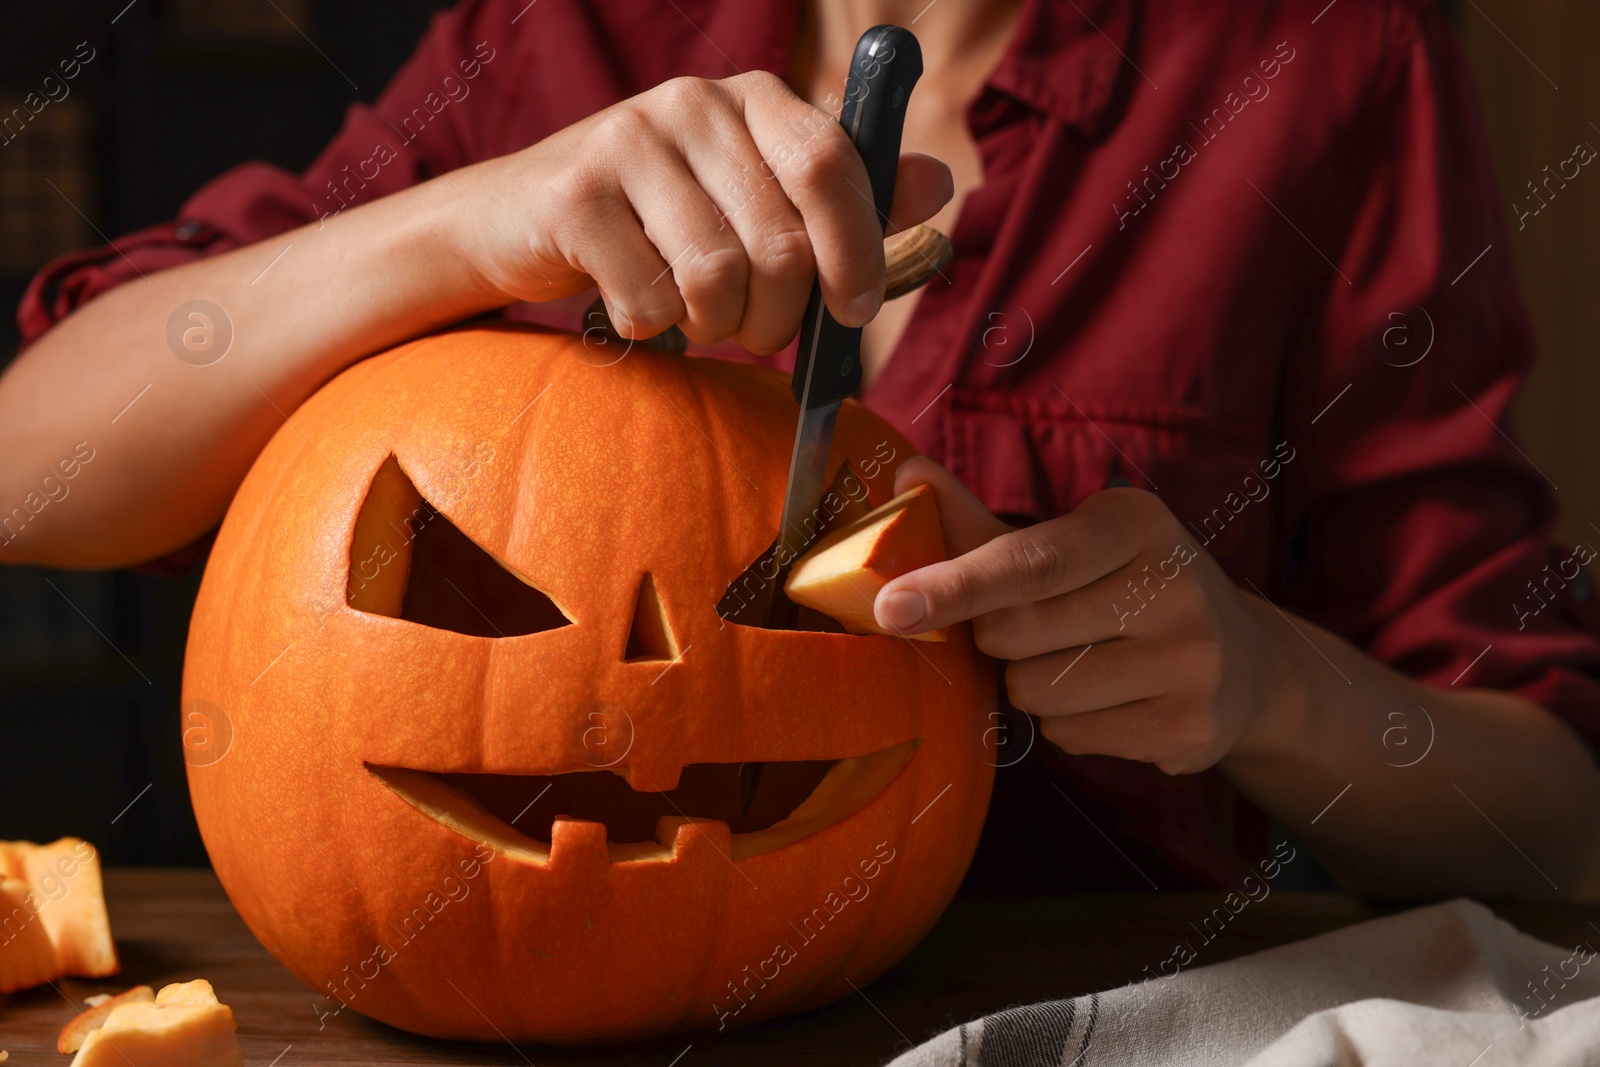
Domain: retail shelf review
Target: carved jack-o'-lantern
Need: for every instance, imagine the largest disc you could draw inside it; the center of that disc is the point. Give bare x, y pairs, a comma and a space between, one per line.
467, 727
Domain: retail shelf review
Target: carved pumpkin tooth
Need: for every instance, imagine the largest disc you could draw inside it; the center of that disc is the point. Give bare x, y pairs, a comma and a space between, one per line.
653, 776
577, 842
691, 839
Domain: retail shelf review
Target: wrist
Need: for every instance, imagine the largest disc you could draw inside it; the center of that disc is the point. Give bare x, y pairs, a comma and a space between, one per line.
363, 280
446, 230
485, 221
1284, 713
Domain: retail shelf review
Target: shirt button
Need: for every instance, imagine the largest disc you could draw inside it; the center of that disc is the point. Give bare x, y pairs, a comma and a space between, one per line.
188, 231
1580, 587
1117, 481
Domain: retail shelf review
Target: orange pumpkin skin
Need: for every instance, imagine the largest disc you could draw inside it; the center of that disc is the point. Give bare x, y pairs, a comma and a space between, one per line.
580, 473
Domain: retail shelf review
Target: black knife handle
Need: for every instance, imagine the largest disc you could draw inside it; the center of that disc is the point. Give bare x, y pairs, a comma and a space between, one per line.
885, 67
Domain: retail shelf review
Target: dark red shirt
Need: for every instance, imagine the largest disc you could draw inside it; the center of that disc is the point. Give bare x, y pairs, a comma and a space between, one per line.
1244, 253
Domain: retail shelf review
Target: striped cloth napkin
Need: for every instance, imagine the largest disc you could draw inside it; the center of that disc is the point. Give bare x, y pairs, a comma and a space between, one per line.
1449, 984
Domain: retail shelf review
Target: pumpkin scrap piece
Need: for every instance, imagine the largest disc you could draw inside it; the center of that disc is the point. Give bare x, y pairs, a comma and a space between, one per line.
841, 576
52, 914
101, 1006
184, 1026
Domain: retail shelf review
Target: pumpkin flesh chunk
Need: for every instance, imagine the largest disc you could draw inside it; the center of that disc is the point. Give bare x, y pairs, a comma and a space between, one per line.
842, 575
76, 1032
184, 1026
797, 799
52, 914
27, 958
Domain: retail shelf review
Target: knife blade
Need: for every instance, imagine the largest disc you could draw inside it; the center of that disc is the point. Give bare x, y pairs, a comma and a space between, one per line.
885, 66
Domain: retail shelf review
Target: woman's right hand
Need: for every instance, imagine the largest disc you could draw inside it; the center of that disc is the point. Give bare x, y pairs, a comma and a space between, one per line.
705, 204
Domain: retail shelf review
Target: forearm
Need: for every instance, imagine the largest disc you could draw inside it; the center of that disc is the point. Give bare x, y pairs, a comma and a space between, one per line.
171, 439
1406, 790
617, 201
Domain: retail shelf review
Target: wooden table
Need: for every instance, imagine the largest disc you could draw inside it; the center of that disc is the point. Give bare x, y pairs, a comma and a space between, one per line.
173, 925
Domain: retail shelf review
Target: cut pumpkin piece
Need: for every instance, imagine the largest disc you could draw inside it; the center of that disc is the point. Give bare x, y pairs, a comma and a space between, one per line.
841, 576
52, 914
184, 1026
101, 1006
27, 958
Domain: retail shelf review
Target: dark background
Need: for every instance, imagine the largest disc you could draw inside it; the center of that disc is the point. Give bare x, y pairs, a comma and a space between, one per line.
91, 664
181, 90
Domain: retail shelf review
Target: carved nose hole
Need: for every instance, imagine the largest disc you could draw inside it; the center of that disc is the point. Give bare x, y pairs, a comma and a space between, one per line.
650, 636
408, 561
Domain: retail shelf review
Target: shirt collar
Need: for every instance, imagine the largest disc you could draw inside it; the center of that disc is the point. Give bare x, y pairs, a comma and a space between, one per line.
1070, 59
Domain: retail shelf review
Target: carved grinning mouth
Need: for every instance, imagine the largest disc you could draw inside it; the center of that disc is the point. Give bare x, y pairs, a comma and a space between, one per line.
408, 561
516, 813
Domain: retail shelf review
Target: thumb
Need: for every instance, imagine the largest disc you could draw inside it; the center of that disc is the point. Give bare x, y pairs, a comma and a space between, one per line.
922, 186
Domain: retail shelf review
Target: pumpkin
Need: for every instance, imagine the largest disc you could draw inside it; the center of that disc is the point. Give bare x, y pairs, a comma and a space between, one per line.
53, 919
485, 722
181, 1026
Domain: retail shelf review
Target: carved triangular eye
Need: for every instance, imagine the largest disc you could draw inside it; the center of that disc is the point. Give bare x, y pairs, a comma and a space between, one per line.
408, 561
650, 637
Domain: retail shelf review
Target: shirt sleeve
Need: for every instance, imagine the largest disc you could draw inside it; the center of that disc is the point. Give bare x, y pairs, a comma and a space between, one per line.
429, 120
1417, 525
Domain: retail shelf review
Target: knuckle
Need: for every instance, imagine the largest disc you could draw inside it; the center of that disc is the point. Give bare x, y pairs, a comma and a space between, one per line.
1187, 598
785, 252
1133, 497
683, 95
1060, 731
960, 593
574, 192
621, 129
639, 318
1189, 726
1022, 687
1204, 667
1001, 634
765, 336
1038, 562
1188, 734
756, 79
990, 637
1148, 507
825, 158
717, 271
1129, 501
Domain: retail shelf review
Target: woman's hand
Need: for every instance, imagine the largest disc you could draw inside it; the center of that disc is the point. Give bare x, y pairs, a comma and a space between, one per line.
701, 203
1186, 671
1123, 636
706, 204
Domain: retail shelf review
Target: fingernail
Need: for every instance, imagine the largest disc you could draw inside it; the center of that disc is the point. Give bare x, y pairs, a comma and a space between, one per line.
902, 609
861, 310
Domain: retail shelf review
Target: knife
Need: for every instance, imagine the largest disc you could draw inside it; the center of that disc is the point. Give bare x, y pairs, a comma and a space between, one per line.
827, 366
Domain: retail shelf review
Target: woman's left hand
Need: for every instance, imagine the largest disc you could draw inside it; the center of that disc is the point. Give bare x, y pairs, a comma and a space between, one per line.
1122, 635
